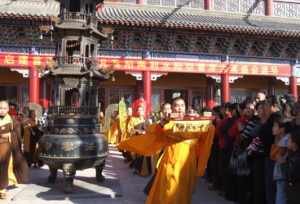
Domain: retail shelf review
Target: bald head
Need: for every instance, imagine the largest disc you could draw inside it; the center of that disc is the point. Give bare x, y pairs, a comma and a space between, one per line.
4, 108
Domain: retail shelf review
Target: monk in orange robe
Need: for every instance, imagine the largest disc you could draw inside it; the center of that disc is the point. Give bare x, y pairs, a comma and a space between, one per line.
185, 156
114, 133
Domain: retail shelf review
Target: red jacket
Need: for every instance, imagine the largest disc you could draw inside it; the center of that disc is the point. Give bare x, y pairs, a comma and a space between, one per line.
234, 131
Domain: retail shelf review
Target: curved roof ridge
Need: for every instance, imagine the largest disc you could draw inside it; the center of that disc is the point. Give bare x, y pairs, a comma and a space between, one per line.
137, 15
34, 8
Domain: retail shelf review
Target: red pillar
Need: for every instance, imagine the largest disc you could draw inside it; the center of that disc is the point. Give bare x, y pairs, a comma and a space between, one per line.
208, 4
147, 91
294, 87
225, 88
34, 85
45, 94
268, 7
210, 94
139, 1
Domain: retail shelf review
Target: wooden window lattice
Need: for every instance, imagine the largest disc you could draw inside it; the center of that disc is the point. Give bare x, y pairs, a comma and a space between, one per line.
197, 4
168, 3
222, 45
240, 46
292, 50
202, 44
158, 42
258, 48
154, 2
188, 42
240, 6
275, 49
130, 1
286, 9
178, 3
182, 43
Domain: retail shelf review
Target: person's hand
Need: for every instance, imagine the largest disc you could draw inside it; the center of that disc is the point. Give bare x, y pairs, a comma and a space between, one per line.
140, 132
165, 120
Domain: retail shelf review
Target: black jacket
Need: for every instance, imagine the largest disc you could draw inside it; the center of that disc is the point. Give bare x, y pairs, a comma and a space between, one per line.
293, 189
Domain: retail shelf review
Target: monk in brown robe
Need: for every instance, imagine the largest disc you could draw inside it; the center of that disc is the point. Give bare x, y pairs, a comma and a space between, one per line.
31, 136
13, 167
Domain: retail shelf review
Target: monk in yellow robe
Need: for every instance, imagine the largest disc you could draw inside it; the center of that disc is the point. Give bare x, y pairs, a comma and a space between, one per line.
185, 157
136, 126
114, 133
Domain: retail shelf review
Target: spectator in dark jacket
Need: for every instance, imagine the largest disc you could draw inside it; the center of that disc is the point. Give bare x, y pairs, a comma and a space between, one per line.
293, 189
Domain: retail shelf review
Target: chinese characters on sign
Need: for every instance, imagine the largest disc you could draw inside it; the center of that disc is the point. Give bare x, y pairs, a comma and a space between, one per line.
13, 60
195, 67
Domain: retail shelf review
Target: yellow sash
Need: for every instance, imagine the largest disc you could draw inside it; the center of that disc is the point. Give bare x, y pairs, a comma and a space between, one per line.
157, 138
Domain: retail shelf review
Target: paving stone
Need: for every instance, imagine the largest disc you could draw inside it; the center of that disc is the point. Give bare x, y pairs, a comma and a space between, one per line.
120, 187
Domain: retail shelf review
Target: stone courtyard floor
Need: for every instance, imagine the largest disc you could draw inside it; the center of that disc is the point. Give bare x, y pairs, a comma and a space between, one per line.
120, 187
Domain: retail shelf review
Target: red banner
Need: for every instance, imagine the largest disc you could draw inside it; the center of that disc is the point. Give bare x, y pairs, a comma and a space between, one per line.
195, 67
24, 61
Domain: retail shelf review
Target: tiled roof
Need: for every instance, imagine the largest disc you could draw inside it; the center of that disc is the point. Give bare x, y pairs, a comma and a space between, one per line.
150, 16
29, 8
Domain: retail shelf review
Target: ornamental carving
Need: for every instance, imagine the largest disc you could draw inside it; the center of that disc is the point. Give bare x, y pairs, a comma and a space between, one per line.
69, 146
75, 131
204, 43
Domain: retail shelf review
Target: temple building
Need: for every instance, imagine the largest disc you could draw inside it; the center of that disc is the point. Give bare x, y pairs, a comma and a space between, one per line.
207, 51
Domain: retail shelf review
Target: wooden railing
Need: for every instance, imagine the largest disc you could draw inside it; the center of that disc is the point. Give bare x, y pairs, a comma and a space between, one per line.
79, 17
76, 60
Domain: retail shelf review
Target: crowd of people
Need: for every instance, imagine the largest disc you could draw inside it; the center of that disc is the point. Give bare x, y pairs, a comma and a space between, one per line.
256, 152
255, 156
252, 148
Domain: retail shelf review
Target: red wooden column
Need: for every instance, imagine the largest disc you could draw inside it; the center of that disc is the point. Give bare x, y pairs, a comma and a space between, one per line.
140, 1
44, 101
210, 96
147, 91
225, 91
294, 87
34, 85
208, 4
268, 7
